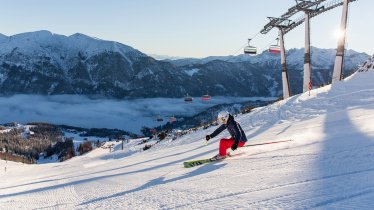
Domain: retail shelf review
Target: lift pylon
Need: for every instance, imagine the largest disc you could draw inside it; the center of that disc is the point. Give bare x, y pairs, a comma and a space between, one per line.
285, 80
282, 24
311, 9
338, 67
300, 4
307, 84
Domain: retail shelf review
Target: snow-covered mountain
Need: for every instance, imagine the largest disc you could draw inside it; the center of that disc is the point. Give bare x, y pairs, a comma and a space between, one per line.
328, 165
367, 65
45, 63
320, 58
165, 57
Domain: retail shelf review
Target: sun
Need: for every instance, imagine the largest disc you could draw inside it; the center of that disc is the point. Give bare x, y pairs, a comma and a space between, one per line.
339, 34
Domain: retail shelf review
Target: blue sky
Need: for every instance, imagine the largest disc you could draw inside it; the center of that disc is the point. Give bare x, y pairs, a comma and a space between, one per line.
185, 28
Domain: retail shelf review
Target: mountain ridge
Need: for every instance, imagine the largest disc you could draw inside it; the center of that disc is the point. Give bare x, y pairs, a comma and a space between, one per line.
45, 63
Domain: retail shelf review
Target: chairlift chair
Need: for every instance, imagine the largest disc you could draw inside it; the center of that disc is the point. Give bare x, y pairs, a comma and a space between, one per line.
250, 50
188, 98
172, 119
159, 119
206, 97
275, 48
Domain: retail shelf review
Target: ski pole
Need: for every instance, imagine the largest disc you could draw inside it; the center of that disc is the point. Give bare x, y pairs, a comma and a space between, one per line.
273, 142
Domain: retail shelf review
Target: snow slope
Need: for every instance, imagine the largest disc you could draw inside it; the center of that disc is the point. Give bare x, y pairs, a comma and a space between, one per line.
329, 165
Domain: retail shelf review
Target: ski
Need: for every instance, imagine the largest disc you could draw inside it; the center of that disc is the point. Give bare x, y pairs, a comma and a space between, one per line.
193, 163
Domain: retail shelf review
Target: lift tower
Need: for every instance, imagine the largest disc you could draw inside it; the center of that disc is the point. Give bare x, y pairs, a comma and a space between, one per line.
308, 7
301, 5
338, 67
282, 24
307, 84
313, 8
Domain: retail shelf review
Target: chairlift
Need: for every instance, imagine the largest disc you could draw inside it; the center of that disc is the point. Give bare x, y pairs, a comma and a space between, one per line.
172, 119
188, 98
275, 48
251, 50
160, 119
206, 97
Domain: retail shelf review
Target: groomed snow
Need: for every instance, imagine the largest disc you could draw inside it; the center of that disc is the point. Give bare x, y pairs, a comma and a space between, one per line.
329, 165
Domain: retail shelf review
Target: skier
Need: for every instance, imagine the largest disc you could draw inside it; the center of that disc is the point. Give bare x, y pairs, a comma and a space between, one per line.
238, 138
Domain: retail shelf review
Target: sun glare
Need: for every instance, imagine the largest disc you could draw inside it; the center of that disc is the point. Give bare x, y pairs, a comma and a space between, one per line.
339, 33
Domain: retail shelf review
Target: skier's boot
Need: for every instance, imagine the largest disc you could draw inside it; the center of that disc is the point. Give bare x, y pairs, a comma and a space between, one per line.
217, 157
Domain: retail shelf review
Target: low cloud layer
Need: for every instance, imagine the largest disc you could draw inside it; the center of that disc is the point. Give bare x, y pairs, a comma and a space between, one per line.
81, 111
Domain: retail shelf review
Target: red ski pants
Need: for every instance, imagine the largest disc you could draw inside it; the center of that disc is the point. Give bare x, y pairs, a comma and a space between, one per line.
225, 144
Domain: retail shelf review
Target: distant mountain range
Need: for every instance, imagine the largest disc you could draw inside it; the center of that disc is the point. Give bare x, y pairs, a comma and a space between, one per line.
45, 63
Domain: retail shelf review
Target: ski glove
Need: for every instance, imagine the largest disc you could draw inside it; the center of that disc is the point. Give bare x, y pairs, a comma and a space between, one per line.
234, 147
207, 137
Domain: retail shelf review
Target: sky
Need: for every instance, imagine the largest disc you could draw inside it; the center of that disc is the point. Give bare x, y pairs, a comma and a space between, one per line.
183, 28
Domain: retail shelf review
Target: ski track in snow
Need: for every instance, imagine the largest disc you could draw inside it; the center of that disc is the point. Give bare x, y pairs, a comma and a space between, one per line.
329, 165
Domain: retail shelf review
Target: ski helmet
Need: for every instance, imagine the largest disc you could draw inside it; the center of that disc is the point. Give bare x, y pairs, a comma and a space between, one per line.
223, 116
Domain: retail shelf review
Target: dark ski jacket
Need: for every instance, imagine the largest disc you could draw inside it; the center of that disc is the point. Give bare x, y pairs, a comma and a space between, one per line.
234, 129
